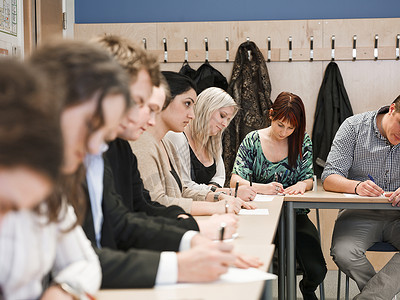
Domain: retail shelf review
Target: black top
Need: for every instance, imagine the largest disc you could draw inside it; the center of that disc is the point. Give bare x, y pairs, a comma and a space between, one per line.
200, 173
176, 176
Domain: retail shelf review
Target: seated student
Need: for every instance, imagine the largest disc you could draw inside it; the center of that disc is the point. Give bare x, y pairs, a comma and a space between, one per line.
199, 145
159, 163
48, 239
144, 72
364, 160
279, 160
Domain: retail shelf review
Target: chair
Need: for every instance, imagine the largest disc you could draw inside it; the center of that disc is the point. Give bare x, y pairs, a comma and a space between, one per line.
321, 286
377, 247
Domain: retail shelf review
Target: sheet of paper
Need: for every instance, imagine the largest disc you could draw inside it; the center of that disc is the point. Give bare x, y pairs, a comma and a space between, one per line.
245, 275
263, 198
254, 212
358, 196
234, 275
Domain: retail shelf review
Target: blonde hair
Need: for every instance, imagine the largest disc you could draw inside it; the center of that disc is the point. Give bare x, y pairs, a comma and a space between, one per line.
208, 101
131, 56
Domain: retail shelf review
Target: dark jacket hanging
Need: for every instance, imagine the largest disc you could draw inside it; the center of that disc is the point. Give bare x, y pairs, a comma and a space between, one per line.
206, 76
251, 89
333, 107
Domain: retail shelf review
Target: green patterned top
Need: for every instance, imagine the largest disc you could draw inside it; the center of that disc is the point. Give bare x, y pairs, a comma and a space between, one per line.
250, 159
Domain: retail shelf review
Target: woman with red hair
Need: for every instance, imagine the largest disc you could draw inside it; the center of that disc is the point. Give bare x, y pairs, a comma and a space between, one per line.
278, 159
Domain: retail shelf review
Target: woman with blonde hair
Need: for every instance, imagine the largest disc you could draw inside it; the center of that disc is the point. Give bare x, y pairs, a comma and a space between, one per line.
199, 147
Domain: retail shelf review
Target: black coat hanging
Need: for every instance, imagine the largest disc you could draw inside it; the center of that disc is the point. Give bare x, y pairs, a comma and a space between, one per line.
333, 107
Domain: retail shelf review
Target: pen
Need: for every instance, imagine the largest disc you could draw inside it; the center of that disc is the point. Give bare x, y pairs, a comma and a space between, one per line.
236, 188
251, 179
221, 232
371, 178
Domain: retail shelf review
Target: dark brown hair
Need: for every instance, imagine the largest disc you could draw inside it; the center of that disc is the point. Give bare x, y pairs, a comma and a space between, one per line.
76, 72
290, 108
30, 134
396, 103
178, 84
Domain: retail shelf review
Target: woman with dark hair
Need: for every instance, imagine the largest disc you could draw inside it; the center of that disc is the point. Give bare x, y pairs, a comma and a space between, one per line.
278, 159
89, 93
159, 163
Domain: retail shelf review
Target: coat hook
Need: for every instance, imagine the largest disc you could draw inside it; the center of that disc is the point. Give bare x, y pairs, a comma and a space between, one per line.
311, 48
397, 46
227, 49
144, 43
354, 47
248, 51
165, 50
290, 48
376, 47
333, 48
269, 49
185, 40
206, 43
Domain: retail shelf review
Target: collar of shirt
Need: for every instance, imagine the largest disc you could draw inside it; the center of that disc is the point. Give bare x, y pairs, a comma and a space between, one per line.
382, 110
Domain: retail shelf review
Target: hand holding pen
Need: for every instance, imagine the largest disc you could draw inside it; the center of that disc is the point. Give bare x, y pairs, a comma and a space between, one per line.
368, 188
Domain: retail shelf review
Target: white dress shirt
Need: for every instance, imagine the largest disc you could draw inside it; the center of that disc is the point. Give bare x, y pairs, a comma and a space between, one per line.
30, 247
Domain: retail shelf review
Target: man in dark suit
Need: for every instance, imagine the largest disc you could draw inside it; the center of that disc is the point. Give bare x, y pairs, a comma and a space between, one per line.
130, 245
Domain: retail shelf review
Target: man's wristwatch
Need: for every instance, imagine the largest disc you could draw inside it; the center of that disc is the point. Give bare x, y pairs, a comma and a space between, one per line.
213, 188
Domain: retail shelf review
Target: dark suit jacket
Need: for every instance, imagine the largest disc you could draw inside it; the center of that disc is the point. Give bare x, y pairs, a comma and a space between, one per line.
131, 242
130, 186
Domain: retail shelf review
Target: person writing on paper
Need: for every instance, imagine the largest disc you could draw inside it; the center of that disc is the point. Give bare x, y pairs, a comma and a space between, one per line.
279, 160
88, 98
366, 148
199, 146
149, 99
159, 163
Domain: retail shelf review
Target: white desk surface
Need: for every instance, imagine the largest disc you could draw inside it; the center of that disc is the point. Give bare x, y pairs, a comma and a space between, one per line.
256, 234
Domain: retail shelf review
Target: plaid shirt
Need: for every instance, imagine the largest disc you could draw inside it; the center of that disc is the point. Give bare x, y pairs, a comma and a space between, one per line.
359, 150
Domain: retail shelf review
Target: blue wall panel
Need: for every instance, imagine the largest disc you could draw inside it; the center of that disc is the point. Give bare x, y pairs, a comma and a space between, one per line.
135, 11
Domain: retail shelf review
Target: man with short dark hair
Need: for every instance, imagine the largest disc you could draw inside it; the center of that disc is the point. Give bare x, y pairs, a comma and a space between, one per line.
364, 160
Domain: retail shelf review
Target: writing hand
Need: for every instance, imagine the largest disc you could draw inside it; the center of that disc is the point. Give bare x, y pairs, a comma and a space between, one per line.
369, 188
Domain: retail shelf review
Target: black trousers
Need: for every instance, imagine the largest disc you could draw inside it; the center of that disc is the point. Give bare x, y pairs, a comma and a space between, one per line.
309, 256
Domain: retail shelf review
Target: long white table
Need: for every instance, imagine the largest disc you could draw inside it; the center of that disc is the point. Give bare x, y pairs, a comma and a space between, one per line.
256, 235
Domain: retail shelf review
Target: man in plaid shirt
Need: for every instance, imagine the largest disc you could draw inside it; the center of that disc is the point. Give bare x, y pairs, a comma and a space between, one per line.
365, 160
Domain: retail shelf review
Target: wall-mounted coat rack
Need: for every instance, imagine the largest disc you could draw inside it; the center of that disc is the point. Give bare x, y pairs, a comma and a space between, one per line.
281, 54
311, 40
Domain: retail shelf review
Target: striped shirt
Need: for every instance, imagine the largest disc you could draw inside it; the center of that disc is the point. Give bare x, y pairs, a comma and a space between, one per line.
359, 150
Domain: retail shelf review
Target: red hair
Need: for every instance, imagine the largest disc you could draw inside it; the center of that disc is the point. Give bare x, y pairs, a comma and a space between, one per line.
289, 107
